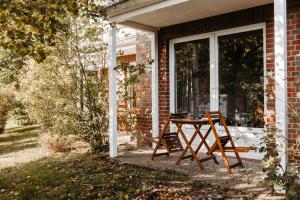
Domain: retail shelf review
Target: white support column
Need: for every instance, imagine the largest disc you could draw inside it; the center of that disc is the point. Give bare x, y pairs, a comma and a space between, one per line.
280, 50
112, 93
154, 83
214, 74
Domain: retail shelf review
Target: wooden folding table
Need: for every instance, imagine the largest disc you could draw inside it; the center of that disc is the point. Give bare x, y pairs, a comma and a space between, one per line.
197, 124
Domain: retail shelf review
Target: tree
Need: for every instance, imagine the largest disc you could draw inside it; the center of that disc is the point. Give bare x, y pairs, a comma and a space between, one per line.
6, 103
27, 27
27, 30
64, 93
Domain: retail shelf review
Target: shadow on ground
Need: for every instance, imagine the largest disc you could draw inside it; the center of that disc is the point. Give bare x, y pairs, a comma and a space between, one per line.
18, 139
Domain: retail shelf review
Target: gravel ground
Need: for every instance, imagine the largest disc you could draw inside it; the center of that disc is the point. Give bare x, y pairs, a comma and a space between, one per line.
247, 179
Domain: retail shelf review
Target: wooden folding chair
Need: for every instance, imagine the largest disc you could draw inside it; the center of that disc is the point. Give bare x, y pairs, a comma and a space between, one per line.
222, 141
168, 140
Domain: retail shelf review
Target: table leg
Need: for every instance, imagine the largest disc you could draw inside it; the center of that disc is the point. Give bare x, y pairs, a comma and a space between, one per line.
203, 141
188, 146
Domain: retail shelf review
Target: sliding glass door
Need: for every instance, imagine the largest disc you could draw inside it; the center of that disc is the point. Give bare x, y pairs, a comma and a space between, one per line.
241, 78
192, 76
221, 71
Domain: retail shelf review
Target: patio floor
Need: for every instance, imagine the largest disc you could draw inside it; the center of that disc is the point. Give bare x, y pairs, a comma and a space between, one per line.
248, 179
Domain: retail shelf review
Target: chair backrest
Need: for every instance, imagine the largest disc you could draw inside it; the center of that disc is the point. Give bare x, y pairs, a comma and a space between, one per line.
214, 114
172, 116
218, 115
178, 115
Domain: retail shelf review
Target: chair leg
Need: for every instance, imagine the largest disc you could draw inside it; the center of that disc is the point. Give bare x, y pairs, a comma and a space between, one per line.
160, 142
230, 139
154, 151
225, 159
214, 158
218, 142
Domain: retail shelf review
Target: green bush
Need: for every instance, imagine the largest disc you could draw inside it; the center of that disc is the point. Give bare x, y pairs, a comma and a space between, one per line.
20, 114
65, 94
6, 103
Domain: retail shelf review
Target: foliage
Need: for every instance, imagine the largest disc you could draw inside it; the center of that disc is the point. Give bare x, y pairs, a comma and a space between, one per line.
291, 178
6, 104
55, 143
271, 161
128, 76
20, 114
279, 178
65, 93
27, 27
27, 30
10, 66
10, 69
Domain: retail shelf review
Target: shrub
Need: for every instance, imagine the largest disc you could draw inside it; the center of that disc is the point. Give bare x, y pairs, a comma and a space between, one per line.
55, 143
6, 103
20, 114
65, 93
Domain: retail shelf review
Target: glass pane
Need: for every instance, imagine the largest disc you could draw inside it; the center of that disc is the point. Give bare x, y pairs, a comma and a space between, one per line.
192, 76
241, 78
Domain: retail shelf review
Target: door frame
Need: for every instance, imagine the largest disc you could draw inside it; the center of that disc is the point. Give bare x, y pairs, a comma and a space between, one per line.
172, 71
214, 69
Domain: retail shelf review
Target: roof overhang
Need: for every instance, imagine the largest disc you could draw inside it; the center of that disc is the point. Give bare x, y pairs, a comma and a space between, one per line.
151, 15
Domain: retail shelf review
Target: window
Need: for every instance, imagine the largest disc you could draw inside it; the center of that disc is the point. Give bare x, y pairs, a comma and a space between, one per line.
223, 71
241, 93
192, 76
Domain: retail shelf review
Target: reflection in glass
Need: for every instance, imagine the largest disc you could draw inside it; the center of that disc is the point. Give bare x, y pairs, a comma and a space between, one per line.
192, 76
241, 78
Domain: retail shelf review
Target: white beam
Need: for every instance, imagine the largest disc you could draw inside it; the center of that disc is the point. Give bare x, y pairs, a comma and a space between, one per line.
139, 26
280, 50
153, 7
112, 93
154, 84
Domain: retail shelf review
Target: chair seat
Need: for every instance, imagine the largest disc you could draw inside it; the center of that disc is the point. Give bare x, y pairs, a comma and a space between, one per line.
168, 140
173, 142
234, 149
223, 140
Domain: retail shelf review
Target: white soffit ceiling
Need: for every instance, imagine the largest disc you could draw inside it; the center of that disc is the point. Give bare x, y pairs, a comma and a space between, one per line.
193, 10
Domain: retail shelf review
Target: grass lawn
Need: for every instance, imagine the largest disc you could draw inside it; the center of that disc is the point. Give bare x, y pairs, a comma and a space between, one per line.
79, 177
85, 176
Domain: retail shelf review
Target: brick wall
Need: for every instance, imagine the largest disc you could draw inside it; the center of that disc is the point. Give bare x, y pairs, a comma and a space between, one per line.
242, 18
143, 89
236, 19
293, 57
216, 23
231, 20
